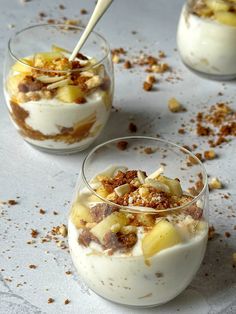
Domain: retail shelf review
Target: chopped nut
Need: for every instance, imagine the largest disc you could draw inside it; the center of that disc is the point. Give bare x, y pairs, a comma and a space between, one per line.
215, 183
174, 105
209, 154
147, 86
151, 79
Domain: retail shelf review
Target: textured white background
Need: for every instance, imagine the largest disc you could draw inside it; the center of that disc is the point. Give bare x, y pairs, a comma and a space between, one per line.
31, 175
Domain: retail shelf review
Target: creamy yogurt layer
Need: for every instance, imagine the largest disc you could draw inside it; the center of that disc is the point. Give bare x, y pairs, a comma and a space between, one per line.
128, 255
206, 37
56, 103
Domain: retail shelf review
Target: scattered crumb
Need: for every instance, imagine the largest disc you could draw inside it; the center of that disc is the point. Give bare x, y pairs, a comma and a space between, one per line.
61, 7
181, 131
227, 234
127, 64
34, 233
12, 202
211, 232
83, 11
50, 300
133, 127
66, 301
147, 86
148, 150
42, 211
150, 79
32, 266
209, 154
122, 145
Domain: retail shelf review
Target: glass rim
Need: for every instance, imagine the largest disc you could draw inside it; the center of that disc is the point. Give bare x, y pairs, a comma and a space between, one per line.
132, 209
100, 61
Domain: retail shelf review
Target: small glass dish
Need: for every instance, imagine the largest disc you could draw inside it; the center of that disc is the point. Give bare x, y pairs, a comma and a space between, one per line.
57, 105
206, 38
141, 255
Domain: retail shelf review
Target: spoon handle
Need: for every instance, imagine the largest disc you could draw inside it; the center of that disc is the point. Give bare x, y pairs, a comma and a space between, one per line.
100, 9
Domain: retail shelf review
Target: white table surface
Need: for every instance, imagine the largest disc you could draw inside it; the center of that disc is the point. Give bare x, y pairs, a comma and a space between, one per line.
47, 181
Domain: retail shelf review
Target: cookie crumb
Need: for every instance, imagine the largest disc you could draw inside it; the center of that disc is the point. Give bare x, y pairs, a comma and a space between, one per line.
133, 127
50, 300
67, 301
211, 232
127, 64
122, 145
147, 86
32, 266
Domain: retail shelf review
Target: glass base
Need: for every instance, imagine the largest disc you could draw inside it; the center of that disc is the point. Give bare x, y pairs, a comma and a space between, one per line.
56, 151
215, 77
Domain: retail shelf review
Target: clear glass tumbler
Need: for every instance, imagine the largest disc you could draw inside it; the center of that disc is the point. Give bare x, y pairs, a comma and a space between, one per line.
137, 236
58, 105
206, 38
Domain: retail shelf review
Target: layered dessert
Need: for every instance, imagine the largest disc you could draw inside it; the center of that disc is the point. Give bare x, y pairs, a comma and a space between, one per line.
207, 37
136, 238
59, 104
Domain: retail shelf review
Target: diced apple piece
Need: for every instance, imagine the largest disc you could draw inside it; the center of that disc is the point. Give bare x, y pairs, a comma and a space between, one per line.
174, 185
217, 5
13, 82
102, 191
156, 173
104, 226
59, 49
80, 214
162, 236
41, 58
69, 93
228, 18
22, 67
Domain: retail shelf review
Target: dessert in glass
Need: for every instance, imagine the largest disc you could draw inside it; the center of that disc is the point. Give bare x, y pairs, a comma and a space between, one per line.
58, 105
206, 37
138, 224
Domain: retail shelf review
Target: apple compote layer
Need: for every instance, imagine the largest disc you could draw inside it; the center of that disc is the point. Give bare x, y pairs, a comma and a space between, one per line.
131, 244
56, 103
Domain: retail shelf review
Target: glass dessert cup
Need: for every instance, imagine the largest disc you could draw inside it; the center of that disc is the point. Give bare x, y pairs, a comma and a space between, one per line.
58, 105
138, 239
206, 38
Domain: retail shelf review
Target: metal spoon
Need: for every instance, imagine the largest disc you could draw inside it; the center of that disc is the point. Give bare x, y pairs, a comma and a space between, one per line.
100, 9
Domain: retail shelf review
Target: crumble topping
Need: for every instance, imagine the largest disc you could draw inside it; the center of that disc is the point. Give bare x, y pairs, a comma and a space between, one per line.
114, 228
